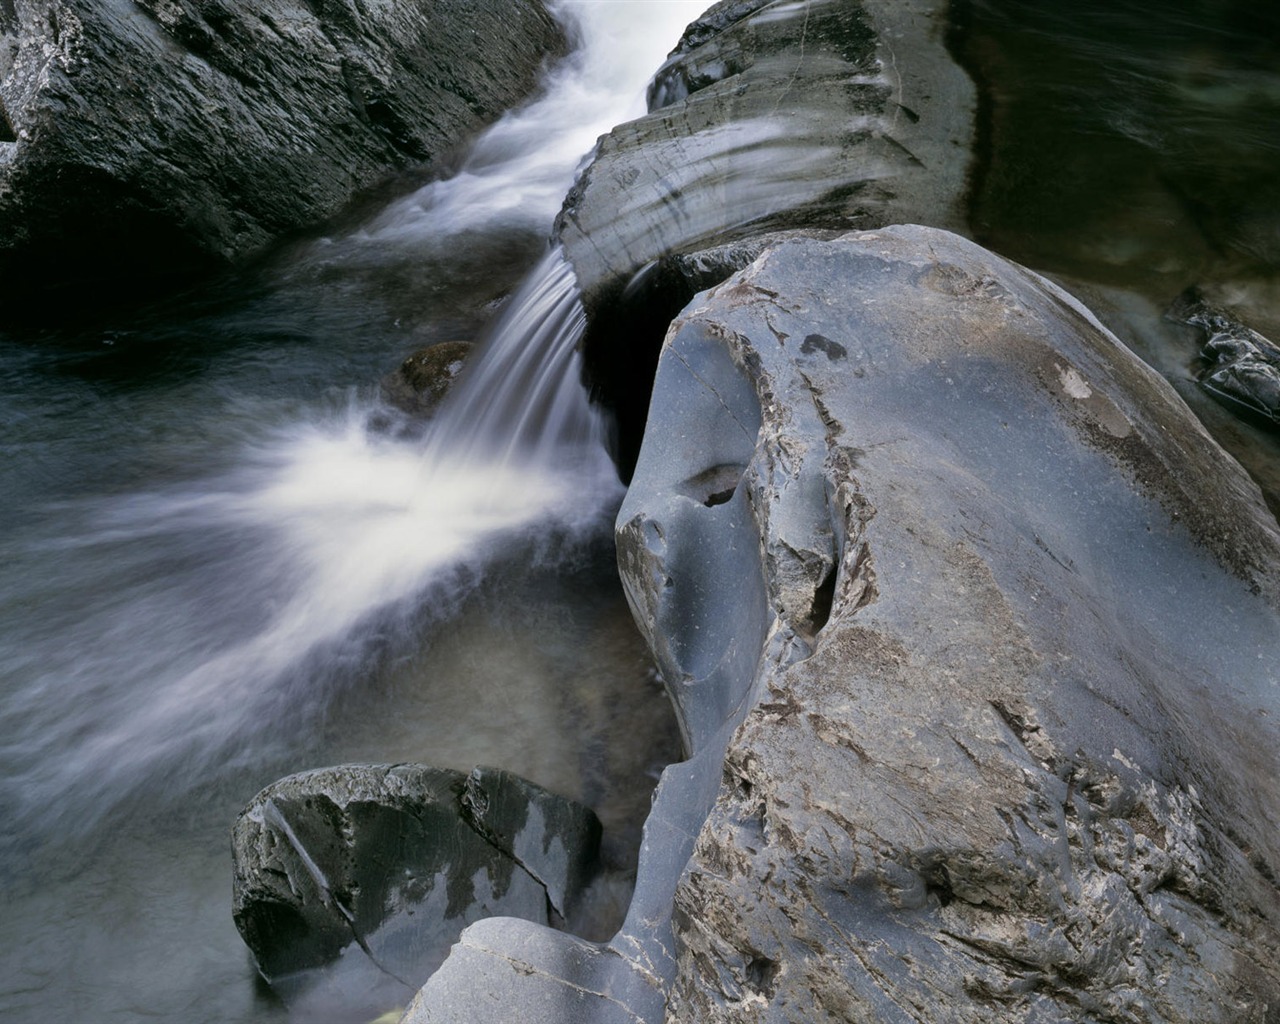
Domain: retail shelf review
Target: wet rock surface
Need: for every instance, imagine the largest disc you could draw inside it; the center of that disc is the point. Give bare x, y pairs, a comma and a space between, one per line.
773, 115
972, 634
769, 116
1239, 367
1009, 749
419, 384
148, 139
351, 883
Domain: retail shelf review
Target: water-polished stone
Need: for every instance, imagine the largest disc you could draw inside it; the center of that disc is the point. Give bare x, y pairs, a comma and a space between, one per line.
773, 115
1241, 368
1008, 750
351, 883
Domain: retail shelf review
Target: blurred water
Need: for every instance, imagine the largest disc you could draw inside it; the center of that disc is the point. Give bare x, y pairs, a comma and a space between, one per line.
223, 558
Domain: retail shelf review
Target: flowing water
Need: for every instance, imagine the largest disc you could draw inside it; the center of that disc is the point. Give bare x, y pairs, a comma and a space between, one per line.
223, 558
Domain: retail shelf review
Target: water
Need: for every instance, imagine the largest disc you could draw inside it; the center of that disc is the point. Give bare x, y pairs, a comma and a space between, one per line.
1133, 150
224, 558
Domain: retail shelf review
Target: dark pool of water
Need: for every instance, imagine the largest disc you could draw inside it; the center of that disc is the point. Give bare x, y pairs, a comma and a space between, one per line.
1132, 150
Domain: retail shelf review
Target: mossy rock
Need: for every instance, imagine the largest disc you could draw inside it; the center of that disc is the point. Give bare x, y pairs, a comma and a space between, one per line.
422, 381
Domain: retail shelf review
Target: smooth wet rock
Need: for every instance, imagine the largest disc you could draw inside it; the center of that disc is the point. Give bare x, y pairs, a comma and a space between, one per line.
1240, 367
770, 116
972, 632
351, 883
420, 383
1009, 749
151, 138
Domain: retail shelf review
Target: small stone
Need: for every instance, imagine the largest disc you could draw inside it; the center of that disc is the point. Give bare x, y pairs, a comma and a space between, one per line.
421, 382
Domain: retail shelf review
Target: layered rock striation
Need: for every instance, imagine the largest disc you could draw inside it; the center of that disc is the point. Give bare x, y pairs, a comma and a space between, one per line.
768, 116
143, 138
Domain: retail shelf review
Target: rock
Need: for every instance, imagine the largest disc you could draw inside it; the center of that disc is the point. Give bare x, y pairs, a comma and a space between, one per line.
1240, 368
421, 382
351, 883
155, 138
993, 625
972, 632
770, 116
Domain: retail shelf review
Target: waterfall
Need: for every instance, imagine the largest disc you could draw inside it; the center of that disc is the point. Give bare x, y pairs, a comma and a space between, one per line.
521, 397
200, 621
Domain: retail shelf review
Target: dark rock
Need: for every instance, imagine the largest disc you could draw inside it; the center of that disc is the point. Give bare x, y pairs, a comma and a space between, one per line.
769, 117
972, 631
421, 382
154, 138
351, 883
1240, 367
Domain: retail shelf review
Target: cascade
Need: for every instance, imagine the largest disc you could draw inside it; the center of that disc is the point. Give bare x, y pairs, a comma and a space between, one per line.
221, 559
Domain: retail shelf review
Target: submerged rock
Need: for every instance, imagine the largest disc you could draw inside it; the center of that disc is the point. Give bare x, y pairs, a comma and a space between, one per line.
421, 382
351, 883
1240, 368
155, 137
972, 631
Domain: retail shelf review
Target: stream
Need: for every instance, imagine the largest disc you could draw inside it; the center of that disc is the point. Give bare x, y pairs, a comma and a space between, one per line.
224, 557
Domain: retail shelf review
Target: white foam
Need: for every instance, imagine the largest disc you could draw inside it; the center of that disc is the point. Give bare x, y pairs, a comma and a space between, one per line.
519, 170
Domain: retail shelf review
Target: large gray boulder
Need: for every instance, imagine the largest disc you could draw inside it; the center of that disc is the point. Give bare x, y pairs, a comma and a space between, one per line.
972, 631
351, 883
149, 137
1008, 745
